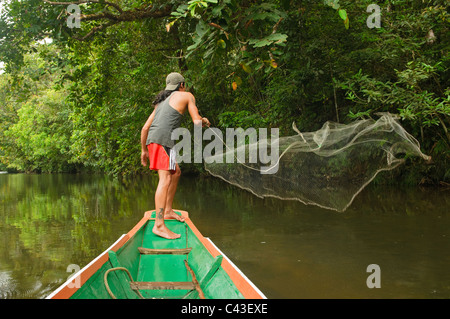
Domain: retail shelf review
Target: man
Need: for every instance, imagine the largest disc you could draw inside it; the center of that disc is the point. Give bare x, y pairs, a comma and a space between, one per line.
157, 146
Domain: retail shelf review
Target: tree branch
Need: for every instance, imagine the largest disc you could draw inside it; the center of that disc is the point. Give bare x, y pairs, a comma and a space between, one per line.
144, 12
94, 30
115, 6
215, 25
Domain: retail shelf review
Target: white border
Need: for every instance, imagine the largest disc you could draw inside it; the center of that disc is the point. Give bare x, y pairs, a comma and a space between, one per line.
237, 269
82, 270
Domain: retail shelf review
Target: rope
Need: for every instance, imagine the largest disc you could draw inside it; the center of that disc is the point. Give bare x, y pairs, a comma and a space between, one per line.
105, 279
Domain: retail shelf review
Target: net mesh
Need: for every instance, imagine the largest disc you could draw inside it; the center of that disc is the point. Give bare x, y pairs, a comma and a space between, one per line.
327, 168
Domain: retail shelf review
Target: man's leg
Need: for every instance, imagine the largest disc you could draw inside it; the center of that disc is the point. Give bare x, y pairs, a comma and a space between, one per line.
168, 212
160, 228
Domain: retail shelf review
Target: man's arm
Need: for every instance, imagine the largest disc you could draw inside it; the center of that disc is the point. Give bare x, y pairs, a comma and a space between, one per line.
144, 133
193, 112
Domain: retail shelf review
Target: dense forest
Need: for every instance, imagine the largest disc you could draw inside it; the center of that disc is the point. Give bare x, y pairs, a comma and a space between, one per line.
76, 89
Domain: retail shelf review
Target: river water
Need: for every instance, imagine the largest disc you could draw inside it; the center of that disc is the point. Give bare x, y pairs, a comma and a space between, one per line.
287, 249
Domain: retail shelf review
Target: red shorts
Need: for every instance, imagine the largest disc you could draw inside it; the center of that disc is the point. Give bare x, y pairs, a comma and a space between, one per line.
161, 157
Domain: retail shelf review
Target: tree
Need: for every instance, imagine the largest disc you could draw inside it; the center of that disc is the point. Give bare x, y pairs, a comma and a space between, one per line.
249, 63
36, 128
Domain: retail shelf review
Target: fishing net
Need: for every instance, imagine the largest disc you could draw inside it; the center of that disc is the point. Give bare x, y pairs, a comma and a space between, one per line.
327, 168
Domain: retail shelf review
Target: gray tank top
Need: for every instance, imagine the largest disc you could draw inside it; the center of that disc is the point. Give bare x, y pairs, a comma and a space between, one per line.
165, 121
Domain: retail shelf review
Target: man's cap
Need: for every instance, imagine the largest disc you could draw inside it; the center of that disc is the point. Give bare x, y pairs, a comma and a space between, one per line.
172, 80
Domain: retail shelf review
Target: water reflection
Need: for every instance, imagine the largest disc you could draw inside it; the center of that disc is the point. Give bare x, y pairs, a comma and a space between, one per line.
296, 251
50, 221
289, 250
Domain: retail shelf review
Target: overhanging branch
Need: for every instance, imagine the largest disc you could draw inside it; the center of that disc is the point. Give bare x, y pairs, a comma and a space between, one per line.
117, 7
94, 30
108, 18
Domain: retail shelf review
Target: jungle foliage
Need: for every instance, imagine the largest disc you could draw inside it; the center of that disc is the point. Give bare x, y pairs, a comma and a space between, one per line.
79, 102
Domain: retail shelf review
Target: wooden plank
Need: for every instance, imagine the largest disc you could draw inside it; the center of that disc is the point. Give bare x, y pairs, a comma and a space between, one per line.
214, 267
148, 251
161, 285
194, 281
204, 281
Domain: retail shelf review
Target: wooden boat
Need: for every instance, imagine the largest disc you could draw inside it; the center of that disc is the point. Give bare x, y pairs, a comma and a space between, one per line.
142, 265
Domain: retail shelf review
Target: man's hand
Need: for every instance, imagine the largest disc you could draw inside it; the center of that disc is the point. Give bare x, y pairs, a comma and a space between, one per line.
144, 157
205, 122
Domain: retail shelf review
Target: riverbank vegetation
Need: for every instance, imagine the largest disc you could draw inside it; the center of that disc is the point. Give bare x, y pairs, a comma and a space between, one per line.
78, 102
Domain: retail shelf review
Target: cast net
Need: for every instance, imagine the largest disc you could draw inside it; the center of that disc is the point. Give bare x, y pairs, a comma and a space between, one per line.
327, 168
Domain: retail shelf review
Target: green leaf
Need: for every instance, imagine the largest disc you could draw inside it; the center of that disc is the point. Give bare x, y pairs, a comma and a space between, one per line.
276, 38
246, 68
201, 28
257, 43
347, 23
217, 11
182, 8
208, 53
197, 42
343, 14
221, 43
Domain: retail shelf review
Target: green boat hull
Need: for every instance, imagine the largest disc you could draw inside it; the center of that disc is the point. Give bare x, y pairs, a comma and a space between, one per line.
143, 265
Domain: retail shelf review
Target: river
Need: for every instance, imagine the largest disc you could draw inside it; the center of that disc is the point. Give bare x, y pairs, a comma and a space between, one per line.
287, 249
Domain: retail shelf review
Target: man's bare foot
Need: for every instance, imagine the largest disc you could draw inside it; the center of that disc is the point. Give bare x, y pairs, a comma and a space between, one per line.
165, 232
172, 215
